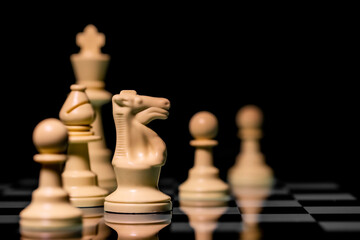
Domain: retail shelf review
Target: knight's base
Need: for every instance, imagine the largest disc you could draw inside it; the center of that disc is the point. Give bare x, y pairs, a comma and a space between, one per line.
155, 207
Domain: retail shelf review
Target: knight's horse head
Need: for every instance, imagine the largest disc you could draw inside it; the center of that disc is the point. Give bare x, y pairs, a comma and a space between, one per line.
145, 108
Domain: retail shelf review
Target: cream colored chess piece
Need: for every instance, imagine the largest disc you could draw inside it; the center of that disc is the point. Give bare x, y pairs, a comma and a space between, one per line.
250, 167
139, 155
137, 226
204, 220
203, 182
50, 211
90, 67
78, 179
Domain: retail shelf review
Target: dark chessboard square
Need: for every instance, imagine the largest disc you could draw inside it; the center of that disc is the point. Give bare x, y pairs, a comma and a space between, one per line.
291, 230
313, 191
280, 197
281, 210
313, 186
268, 203
272, 210
30, 183
278, 217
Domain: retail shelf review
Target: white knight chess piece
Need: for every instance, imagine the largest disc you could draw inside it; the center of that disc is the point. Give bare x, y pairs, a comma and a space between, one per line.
139, 155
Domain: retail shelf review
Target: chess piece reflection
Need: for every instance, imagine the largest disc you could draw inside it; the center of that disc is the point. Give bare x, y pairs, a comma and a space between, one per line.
94, 226
204, 219
250, 167
250, 200
78, 179
203, 184
50, 213
90, 66
139, 155
137, 226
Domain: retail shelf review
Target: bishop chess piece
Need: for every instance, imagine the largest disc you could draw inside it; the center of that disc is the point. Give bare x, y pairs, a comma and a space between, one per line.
203, 185
250, 167
139, 155
90, 67
50, 211
78, 179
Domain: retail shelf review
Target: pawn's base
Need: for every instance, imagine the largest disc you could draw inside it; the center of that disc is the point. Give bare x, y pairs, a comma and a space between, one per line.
54, 228
205, 199
54, 235
155, 207
86, 196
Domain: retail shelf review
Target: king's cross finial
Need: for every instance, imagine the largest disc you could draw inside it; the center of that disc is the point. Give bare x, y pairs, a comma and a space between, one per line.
90, 41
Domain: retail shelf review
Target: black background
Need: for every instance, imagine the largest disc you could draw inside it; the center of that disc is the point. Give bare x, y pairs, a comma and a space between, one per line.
300, 68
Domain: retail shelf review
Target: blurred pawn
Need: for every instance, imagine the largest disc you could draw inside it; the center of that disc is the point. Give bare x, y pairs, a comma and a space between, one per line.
50, 213
203, 184
250, 168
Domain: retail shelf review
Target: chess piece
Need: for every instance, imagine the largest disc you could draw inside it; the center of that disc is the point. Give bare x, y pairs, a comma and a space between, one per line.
78, 179
137, 226
203, 182
139, 155
204, 220
250, 167
90, 67
50, 211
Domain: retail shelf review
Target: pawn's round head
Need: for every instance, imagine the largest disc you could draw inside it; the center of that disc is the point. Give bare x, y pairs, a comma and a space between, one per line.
203, 125
249, 116
50, 136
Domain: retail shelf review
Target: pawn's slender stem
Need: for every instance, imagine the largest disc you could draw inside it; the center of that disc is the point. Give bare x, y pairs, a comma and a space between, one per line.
250, 145
50, 175
203, 157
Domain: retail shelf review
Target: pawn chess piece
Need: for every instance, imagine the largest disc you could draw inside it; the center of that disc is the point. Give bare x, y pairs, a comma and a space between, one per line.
90, 67
139, 155
203, 185
250, 167
78, 179
50, 211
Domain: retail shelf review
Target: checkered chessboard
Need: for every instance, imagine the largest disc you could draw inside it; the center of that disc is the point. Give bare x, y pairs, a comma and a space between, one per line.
316, 210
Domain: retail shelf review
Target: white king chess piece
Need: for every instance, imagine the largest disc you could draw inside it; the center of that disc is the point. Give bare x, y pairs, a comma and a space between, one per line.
139, 155
90, 66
